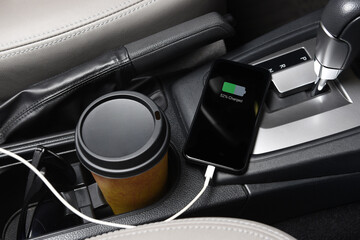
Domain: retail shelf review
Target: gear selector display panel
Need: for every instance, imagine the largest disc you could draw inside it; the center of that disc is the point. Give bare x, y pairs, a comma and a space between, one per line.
285, 61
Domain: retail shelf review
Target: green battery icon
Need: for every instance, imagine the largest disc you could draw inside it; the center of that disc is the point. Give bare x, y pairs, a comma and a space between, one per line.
233, 89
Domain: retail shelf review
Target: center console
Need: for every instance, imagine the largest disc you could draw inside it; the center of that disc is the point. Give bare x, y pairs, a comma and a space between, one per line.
306, 149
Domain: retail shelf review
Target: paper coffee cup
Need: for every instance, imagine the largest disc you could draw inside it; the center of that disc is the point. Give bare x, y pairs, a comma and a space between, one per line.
123, 139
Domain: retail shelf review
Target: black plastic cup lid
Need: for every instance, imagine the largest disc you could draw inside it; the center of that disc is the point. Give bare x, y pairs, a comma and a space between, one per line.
122, 134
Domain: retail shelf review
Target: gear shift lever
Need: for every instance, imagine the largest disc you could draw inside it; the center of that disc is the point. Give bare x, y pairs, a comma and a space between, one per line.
338, 40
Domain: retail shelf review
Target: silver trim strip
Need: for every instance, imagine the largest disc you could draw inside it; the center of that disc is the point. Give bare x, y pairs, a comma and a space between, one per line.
319, 117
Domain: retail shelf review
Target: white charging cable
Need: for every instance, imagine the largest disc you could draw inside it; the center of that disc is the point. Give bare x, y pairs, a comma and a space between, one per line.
208, 175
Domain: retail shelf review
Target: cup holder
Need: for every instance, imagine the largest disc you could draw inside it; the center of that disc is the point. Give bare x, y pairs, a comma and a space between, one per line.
48, 215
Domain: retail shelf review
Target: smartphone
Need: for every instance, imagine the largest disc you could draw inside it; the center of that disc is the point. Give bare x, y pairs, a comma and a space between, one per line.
226, 122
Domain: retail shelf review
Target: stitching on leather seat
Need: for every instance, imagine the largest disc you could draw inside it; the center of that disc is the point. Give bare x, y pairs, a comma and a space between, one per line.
212, 221
237, 222
103, 14
206, 227
54, 42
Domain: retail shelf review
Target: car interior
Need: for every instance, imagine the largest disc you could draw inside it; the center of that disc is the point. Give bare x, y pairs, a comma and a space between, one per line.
61, 61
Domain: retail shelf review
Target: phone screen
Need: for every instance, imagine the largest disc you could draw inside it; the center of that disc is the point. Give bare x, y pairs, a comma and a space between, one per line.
225, 125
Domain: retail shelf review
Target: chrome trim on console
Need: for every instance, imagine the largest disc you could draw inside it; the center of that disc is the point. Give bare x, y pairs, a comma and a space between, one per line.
327, 114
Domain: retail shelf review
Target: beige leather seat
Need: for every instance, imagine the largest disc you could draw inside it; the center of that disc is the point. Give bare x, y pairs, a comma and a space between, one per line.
41, 38
199, 229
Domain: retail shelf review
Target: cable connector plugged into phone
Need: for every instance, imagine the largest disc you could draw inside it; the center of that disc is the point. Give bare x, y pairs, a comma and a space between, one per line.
210, 170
